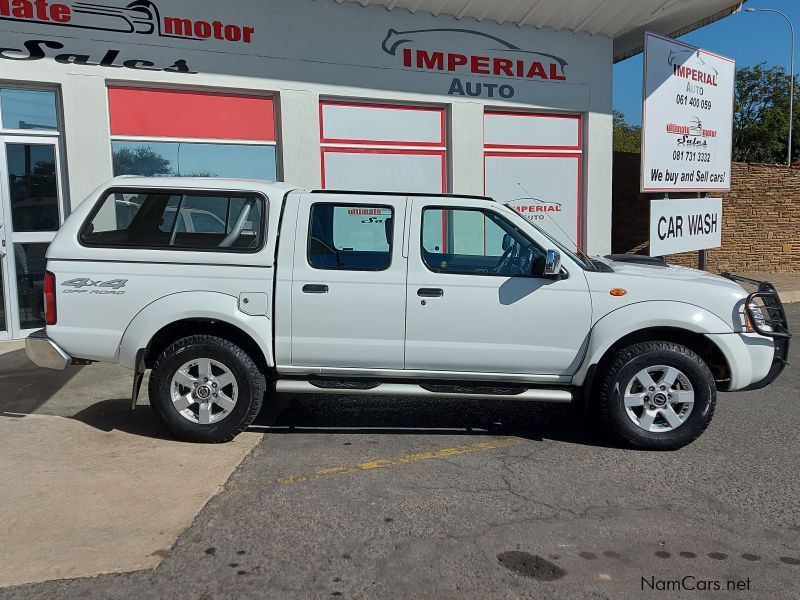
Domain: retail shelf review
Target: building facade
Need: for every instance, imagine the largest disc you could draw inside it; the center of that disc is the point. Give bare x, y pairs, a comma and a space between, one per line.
312, 92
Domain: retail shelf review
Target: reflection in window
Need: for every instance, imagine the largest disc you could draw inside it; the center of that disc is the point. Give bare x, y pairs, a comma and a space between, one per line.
164, 220
160, 159
30, 265
148, 159
33, 185
28, 109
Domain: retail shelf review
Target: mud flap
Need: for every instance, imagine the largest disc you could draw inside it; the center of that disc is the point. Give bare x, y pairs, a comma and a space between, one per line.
138, 377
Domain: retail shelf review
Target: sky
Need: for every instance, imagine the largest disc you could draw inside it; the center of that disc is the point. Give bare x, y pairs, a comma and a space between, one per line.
748, 38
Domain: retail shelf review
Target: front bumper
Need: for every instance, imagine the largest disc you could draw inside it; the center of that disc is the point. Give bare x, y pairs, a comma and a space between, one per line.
773, 315
779, 362
44, 352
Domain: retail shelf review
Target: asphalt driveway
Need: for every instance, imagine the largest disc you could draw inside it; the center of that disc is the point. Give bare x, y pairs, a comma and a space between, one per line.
377, 498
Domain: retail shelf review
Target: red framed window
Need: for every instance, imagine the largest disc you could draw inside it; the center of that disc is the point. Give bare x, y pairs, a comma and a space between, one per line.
535, 161
162, 132
383, 147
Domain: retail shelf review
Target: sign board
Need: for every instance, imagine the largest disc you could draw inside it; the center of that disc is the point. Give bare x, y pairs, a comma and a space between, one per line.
319, 42
682, 225
687, 118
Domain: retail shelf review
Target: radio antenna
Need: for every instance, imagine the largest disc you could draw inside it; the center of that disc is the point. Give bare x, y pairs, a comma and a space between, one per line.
529, 196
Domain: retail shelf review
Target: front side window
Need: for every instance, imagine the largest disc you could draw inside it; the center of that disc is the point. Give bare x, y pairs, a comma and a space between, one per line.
177, 220
350, 237
476, 242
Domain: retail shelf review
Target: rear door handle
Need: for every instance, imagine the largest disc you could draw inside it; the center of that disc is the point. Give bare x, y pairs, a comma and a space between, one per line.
314, 288
430, 292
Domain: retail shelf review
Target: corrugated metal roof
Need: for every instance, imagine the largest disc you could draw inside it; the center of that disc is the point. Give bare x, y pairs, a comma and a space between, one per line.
624, 21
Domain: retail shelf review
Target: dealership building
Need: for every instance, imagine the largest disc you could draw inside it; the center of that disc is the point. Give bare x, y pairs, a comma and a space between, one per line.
507, 98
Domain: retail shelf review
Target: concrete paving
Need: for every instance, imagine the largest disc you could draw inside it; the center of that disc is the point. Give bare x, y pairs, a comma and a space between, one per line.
395, 498
787, 284
88, 487
12, 346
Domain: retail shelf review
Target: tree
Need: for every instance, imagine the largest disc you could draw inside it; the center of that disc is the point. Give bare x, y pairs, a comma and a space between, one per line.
141, 161
761, 114
627, 137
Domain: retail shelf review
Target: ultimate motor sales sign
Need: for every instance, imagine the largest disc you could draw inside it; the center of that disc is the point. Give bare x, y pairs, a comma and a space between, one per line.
687, 118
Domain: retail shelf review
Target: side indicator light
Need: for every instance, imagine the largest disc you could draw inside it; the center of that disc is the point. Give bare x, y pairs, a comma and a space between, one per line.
618, 292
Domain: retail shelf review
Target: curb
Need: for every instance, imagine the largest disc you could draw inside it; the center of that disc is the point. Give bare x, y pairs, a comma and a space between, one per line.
789, 297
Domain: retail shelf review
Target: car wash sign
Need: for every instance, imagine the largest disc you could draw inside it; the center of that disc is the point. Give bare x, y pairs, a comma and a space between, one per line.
684, 225
687, 118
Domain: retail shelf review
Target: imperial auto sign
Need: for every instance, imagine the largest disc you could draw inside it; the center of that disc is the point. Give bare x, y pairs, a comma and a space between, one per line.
687, 118
500, 58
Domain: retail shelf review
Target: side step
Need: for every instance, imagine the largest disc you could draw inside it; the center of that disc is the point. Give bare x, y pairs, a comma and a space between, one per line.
426, 390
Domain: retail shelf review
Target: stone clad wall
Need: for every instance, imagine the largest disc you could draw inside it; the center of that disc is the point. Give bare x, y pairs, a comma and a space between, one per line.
760, 224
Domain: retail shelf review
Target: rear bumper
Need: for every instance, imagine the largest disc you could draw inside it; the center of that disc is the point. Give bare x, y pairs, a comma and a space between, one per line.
44, 352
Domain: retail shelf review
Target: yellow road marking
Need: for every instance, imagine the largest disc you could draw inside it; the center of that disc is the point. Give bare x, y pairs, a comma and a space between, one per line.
399, 460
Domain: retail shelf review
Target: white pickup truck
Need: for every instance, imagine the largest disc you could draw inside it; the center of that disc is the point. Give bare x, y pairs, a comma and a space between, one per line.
231, 291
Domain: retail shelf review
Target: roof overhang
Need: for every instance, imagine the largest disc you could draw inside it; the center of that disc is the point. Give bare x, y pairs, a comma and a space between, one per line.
624, 21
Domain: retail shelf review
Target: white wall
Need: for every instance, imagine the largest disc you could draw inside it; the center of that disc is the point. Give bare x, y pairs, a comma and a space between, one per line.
303, 50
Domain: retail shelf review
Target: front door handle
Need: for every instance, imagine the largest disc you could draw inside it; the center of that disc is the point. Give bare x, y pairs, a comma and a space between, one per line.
430, 292
314, 288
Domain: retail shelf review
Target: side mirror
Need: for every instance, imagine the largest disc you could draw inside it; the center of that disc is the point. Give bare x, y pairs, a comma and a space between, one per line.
552, 263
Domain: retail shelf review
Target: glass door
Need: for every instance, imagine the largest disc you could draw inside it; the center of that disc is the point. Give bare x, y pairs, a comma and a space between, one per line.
32, 202
4, 327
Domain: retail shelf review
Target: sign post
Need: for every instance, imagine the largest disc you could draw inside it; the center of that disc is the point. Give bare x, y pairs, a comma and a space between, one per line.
687, 134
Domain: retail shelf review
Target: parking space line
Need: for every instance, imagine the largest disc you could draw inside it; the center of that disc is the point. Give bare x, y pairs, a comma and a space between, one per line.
399, 460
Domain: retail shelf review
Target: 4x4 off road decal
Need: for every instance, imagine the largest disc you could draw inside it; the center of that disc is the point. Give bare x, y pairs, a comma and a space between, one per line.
480, 54
84, 285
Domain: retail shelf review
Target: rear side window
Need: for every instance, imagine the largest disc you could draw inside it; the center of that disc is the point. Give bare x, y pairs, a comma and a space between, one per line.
349, 237
177, 220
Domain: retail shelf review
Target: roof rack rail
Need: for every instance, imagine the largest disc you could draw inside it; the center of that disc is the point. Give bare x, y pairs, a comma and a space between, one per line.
371, 193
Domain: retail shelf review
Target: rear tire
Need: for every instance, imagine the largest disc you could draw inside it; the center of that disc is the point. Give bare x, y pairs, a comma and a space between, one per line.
206, 389
657, 396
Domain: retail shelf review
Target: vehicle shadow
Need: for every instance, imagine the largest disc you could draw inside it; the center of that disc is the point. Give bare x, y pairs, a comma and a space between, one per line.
116, 415
28, 387
350, 415
371, 415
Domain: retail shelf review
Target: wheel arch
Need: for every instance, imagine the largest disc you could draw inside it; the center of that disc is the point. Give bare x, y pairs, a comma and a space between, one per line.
698, 343
188, 313
176, 330
678, 322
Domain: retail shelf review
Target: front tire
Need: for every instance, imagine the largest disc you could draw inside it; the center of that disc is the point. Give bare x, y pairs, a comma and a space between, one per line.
657, 396
206, 389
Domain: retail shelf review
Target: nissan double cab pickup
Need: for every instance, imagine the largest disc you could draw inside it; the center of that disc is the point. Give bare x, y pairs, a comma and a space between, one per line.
232, 291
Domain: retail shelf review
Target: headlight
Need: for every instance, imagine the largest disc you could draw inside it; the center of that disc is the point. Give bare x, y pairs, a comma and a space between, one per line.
754, 319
